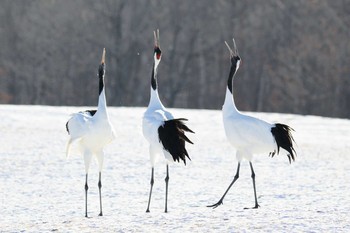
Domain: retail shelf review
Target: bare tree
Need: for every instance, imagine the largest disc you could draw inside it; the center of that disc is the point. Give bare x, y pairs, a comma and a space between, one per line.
295, 54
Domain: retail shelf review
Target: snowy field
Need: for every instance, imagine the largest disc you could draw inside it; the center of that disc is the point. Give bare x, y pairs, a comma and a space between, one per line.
42, 191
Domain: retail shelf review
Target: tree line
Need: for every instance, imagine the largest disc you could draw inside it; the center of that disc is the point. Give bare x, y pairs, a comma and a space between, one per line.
295, 54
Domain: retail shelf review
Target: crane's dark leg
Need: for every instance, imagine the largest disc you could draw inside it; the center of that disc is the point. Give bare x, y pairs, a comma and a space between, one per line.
99, 188
253, 177
234, 180
150, 192
166, 188
86, 191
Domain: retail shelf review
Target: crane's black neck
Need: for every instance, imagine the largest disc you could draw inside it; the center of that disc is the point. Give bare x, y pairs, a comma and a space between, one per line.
235, 61
101, 74
154, 77
231, 76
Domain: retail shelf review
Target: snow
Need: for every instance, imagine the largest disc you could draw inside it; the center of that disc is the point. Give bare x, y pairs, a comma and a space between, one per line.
42, 191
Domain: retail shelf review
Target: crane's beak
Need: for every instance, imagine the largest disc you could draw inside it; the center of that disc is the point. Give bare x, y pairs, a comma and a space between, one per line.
103, 56
234, 51
156, 39
157, 50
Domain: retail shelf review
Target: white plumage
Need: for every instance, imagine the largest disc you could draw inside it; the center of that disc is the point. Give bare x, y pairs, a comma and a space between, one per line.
165, 134
92, 131
153, 118
250, 135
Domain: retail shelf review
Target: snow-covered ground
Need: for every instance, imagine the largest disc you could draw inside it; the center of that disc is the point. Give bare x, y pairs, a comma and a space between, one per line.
42, 191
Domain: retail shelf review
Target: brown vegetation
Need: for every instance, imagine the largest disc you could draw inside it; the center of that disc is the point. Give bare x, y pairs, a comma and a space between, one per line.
295, 53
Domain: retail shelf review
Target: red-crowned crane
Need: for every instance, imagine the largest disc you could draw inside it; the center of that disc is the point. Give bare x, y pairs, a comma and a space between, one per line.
250, 135
92, 130
165, 134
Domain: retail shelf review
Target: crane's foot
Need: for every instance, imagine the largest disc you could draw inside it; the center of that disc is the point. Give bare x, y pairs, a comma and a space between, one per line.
216, 205
147, 211
100, 214
255, 207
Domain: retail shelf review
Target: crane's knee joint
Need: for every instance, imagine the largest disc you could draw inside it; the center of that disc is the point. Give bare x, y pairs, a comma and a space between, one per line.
86, 187
99, 184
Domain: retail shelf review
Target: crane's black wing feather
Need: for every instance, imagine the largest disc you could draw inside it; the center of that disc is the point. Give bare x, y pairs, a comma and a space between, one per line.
283, 137
172, 135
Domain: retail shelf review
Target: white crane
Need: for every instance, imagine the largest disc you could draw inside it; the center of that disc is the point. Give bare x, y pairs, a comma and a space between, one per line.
165, 134
250, 135
92, 130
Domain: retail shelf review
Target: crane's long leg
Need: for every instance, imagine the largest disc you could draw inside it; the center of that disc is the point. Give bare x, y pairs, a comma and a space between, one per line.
87, 160
253, 178
234, 180
166, 188
150, 192
99, 187
86, 191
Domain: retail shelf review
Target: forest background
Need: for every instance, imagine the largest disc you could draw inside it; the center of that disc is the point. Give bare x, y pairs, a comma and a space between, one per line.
295, 54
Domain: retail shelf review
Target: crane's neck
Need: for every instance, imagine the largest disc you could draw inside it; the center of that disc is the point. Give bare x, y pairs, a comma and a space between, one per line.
229, 104
154, 99
102, 104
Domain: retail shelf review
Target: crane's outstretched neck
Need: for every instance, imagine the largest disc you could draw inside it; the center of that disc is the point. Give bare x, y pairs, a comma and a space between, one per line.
229, 104
102, 105
154, 99
233, 70
154, 83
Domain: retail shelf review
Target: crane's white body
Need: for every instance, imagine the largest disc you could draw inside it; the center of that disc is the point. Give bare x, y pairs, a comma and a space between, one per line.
92, 133
247, 134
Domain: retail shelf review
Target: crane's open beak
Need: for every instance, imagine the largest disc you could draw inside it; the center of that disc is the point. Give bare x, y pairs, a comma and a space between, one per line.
103, 56
156, 39
234, 51
157, 50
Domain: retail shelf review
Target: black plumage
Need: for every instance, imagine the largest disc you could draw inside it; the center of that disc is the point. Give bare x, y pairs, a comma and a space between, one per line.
283, 137
101, 75
172, 135
91, 112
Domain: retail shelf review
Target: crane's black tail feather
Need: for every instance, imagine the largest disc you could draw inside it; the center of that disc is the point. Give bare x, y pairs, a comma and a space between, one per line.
283, 137
172, 135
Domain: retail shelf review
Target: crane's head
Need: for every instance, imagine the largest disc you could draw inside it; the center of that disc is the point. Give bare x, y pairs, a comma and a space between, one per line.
234, 56
157, 51
101, 68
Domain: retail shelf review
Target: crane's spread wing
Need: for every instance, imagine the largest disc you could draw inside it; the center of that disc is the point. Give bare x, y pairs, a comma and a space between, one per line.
172, 136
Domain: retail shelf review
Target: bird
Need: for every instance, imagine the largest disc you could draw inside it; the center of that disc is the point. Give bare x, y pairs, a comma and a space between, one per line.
164, 133
250, 135
92, 131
